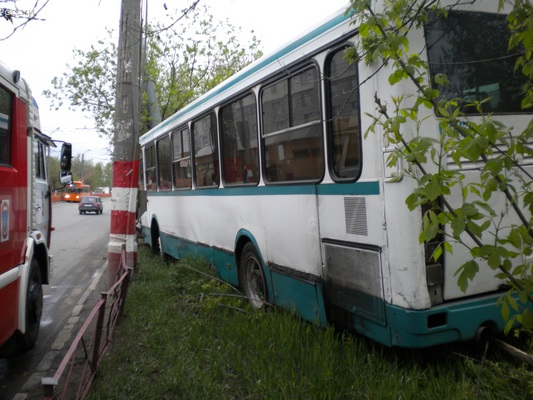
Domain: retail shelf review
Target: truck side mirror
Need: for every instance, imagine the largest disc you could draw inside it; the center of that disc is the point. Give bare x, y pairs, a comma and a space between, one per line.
65, 176
66, 157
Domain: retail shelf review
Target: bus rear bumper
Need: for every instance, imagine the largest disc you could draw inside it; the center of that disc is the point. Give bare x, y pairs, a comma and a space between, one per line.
450, 322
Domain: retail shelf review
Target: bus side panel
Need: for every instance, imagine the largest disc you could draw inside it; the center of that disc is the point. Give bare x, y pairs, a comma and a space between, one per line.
178, 248
214, 217
213, 220
405, 254
290, 292
301, 296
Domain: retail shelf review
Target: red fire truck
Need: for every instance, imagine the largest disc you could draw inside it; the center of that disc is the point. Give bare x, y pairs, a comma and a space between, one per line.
25, 212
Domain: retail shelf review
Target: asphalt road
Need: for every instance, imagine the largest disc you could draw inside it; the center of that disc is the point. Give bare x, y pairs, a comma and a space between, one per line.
79, 248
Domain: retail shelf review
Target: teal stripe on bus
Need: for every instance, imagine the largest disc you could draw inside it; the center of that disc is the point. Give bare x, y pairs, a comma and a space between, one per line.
352, 189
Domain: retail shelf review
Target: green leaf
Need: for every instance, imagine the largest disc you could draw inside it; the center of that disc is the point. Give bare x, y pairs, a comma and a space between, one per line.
512, 303
527, 319
458, 227
397, 76
448, 247
494, 261
467, 272
505, 311
437, 253
433, 189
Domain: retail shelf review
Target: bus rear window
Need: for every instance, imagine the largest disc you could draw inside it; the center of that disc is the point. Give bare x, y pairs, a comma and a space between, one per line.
471, 49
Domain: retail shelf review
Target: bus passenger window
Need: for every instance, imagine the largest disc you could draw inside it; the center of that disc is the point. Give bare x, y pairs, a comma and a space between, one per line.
239, 142
6, 100
292, 129
181, 159
205, 152
343, 113
141, 174
149, 162
163, 164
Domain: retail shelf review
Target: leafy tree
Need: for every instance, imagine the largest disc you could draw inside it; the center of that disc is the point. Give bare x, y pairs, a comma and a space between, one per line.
90, 84
384, 43
53, 173
183, 64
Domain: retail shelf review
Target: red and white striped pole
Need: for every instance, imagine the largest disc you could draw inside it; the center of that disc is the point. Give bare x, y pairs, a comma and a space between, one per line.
125, 160
123, 216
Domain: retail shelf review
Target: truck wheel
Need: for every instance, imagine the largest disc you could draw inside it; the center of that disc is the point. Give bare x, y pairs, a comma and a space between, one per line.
252, 278
34, 306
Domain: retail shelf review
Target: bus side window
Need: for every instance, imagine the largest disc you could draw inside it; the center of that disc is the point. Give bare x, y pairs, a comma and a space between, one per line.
149, 159
141, 175
181, 159
292, 129
6, 100
205, 152
163, 164
343, 114
239, 142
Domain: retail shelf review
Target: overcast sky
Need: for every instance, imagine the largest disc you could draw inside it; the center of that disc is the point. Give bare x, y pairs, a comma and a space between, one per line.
43, 48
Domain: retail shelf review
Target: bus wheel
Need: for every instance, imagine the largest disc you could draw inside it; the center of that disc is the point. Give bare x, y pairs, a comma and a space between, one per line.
252, 278
157, 246
34, 306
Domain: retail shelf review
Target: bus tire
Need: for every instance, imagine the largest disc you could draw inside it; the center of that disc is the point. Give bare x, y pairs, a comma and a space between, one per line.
252, 277
157, 246
34, 306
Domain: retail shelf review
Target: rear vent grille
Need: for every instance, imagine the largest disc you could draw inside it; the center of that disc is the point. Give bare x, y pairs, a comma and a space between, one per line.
355, 215
353, 279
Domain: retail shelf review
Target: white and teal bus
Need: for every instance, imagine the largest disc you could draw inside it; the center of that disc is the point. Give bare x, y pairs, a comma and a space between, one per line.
270, 178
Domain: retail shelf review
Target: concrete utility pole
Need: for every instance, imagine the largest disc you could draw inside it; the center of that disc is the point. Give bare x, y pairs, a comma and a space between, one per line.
125, 160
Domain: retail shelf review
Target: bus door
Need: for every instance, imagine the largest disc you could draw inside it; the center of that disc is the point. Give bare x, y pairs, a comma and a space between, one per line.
350, 209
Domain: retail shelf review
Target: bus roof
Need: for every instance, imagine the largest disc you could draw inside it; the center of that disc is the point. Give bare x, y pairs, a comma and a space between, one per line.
258, 70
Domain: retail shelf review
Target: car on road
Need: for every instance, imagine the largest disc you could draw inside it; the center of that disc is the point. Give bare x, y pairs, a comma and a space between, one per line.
91, 204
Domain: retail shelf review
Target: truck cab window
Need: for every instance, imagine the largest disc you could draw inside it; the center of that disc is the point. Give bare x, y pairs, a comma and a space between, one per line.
6, 101
40, 157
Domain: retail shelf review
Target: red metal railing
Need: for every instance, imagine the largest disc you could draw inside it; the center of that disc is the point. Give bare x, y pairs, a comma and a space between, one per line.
75, 374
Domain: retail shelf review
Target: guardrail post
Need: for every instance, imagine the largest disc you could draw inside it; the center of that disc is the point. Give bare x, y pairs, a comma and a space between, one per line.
124, 290
48, 385
98, 332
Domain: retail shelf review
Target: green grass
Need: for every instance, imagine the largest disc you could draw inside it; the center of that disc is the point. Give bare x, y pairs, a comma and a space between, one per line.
185, 335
